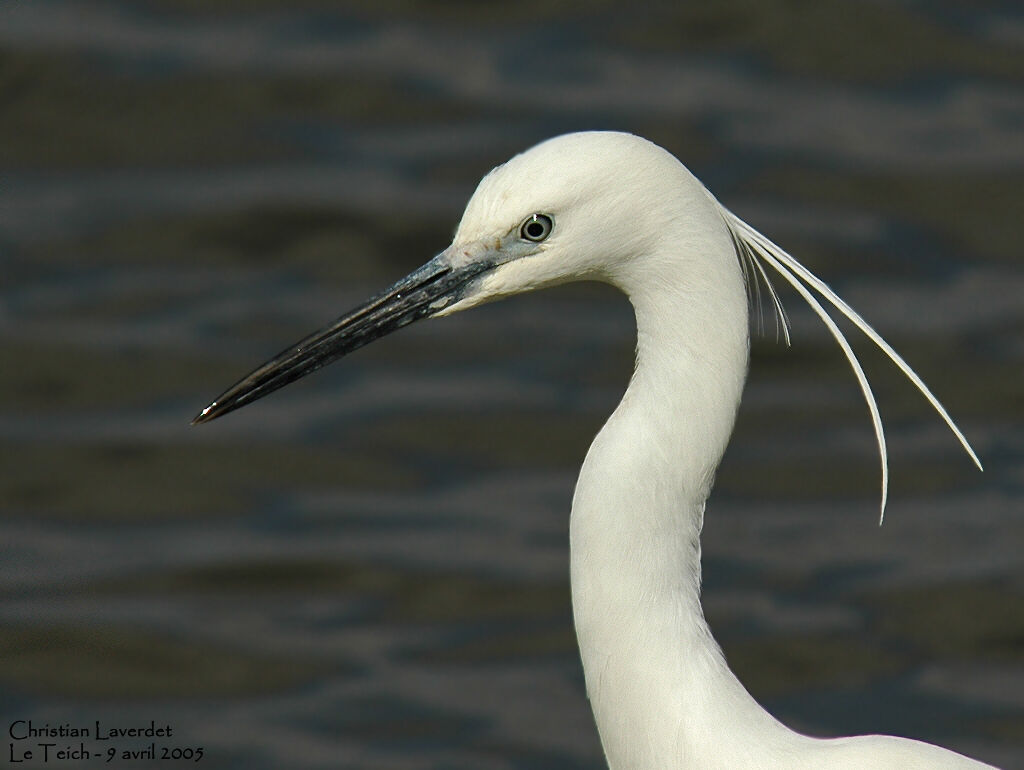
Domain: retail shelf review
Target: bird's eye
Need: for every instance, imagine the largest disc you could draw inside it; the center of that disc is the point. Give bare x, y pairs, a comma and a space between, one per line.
536, 228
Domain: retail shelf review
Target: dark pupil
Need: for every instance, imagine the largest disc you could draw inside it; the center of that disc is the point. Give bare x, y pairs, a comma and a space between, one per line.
535, 229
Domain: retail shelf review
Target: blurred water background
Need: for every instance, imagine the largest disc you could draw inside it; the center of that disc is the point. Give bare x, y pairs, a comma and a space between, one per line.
369, 569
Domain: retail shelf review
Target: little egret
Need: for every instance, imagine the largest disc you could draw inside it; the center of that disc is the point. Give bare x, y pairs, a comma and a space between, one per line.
613, 207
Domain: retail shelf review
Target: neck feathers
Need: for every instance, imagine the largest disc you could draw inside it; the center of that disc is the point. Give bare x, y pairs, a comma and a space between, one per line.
654, 674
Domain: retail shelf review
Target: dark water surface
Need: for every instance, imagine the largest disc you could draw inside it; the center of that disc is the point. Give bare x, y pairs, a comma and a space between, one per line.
369, 570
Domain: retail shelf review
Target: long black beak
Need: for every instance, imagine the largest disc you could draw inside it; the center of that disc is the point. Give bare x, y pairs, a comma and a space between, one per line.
420, 294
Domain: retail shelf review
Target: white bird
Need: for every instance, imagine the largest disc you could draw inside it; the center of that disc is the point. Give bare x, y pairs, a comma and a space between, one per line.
616, 208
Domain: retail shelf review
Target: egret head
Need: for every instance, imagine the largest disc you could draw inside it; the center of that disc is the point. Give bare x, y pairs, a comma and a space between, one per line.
580, 206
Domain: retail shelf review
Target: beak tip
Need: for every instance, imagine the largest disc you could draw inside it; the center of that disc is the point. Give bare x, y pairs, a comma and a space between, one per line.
206, 415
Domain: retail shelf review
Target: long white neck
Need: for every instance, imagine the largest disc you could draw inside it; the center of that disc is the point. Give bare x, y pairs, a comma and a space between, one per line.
662, 694
659, 686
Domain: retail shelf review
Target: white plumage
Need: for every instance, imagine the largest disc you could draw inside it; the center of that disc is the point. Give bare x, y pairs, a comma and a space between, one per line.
624, 211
